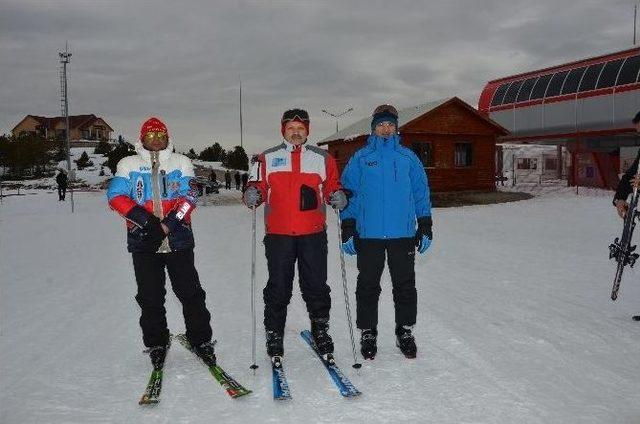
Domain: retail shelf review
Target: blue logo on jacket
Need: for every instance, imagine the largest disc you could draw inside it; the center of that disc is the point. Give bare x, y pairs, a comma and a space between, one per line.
276, 162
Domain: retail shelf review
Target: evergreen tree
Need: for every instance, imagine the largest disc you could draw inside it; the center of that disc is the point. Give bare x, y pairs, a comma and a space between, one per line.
103, 148
122, 150
214, 153
237, 159
84, 161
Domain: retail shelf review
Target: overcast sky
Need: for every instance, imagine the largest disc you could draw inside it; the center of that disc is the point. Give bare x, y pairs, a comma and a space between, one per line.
182, 60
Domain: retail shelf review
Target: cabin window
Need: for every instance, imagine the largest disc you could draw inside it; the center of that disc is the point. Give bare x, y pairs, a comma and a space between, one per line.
527, 163
424, 152
463, 154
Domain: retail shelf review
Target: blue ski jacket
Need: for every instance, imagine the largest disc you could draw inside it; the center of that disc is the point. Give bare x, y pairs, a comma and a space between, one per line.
389, 187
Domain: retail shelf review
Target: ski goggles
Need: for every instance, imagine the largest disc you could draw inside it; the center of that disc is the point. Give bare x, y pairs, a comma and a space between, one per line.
155, 135
295, 115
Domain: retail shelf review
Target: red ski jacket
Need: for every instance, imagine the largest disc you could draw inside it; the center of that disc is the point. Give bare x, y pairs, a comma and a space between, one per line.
296, 183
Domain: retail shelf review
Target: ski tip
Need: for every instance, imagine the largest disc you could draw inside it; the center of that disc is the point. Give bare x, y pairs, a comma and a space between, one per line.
148, 401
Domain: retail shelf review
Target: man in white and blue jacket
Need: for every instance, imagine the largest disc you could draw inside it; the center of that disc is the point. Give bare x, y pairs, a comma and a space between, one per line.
155, 192
389, 212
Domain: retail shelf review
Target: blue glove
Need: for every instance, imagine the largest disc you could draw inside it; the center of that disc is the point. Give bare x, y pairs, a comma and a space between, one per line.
349, 234
424, 244
349, 247
424, 234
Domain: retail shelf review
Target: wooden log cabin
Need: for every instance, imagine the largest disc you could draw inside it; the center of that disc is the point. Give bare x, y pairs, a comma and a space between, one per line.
455, 142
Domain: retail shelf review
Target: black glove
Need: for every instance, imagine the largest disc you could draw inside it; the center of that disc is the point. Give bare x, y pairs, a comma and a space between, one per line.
349, 229
424, 229
148, 229
153, 234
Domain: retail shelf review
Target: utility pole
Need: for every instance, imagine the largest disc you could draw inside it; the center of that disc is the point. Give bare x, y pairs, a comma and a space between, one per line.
241, 113
337, 115
65, 57
635, 15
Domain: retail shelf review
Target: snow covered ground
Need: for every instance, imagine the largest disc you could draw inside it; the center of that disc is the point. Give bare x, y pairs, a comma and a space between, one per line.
515, 323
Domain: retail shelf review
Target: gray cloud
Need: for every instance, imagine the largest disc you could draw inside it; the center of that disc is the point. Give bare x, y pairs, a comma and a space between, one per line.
182, 60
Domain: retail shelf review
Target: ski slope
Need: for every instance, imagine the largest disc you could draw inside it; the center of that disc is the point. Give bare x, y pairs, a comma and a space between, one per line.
515, 324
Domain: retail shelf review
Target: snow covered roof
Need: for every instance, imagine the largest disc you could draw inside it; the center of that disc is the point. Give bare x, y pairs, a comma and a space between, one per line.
363, 126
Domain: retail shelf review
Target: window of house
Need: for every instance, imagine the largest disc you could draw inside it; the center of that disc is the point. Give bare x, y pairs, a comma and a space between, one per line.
629, 71
498, 96
463, 154
591, 77
85, 134
540, 87
551, 164
609, 74
510, 97
573, 79
424, 151
527, 163
525, 90
556, 83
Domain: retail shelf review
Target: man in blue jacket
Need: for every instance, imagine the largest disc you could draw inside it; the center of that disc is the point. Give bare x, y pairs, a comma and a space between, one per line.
390, 194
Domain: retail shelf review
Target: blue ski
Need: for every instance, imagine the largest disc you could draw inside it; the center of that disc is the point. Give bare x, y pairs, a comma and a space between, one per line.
343, 383
280, 385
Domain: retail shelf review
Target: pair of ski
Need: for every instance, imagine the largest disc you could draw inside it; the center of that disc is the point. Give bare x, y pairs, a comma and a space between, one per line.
281, 386
229, 384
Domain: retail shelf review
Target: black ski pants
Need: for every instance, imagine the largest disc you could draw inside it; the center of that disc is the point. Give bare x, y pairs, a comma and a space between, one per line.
401, 259
282, 251
62, 191
150, 275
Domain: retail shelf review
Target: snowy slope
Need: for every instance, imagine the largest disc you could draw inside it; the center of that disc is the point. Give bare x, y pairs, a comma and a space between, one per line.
515, 323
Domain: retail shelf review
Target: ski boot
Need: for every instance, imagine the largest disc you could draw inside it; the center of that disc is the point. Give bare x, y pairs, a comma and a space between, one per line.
157, 354
405, 341
275, 345
321, 338
368, 345
206, 352
636, 317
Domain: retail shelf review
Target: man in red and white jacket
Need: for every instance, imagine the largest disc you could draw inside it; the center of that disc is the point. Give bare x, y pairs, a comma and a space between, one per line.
295, 181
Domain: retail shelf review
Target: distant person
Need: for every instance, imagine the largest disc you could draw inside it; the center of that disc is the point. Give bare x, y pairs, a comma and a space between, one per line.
237, 178
628, 180
245, 178
227, 180
213, 177
388, 215
62, 180
159, 236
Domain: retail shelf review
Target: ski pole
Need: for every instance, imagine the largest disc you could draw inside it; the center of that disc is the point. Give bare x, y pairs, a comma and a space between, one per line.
356, 364
253, 289
254, 366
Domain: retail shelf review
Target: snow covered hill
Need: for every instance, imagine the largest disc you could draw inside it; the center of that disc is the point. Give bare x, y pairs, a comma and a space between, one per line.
515, 324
